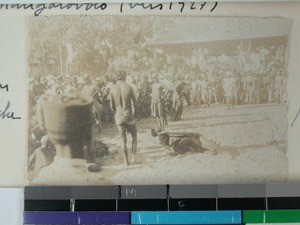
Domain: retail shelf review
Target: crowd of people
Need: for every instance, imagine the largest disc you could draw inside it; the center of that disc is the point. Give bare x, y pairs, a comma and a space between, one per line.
204, 90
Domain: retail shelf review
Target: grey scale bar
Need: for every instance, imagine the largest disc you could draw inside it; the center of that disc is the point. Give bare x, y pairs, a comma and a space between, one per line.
193, 191
160, 191
242, 191
283, 190
71, 192
143, 192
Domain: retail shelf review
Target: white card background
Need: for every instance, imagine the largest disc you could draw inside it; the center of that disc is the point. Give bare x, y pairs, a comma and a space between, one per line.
11, 206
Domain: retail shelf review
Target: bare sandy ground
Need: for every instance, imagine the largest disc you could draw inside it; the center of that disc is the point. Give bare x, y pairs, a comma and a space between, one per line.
247, 144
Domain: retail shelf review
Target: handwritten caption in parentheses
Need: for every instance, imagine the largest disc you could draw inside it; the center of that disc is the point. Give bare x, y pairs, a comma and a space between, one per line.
5, 112
38, 9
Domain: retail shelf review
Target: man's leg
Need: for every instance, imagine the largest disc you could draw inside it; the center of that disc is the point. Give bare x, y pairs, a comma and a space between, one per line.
209, 98
247, 97
161, 116
122, 132
270, 99
180, 110
228, 102
133, 131
158, 121
177, 108
251, 94
162, 123
165, 119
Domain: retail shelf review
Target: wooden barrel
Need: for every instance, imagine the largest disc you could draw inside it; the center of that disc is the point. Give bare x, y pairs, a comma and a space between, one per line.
68, 118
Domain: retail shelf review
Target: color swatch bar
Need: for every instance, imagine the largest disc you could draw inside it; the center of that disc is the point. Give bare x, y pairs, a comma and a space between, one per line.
164, 217
163, 204
73, 218
191, 217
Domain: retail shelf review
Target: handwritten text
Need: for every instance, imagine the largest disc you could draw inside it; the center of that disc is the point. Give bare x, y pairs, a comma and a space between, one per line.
5, 113
4, 87
192, 6
38, 9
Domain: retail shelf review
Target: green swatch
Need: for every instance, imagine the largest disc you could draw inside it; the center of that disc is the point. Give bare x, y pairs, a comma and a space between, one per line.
271, 216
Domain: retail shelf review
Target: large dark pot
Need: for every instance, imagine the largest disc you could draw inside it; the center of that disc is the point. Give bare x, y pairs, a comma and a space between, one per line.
68, 120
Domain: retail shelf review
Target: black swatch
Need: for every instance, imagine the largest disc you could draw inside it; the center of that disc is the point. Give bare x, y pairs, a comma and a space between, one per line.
191, 204
142, 205
47, 205
284, 203
241, 203
95, 205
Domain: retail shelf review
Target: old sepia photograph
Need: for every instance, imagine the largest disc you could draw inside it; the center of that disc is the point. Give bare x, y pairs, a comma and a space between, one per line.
157, 100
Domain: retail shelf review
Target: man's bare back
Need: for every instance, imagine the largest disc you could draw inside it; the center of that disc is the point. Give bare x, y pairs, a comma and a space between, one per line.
122, 98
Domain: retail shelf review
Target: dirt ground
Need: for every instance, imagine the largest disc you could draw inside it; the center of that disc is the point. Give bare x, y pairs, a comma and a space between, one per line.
246, 144
249, 146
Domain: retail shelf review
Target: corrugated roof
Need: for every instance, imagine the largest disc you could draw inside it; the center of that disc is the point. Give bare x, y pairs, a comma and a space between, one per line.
204, 29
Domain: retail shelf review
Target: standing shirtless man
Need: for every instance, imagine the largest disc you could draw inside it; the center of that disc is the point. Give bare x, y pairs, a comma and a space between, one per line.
124, 105
157, 102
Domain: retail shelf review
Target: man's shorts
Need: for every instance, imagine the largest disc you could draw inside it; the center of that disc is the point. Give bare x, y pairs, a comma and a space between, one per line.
121, 120
131, 128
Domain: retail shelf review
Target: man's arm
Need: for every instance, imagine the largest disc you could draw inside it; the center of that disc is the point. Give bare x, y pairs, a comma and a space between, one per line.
40, 114
167, 90
134, 101
112, 102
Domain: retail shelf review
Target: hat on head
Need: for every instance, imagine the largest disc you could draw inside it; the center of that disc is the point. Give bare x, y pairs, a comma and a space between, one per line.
121, 75
80, 80
44, 139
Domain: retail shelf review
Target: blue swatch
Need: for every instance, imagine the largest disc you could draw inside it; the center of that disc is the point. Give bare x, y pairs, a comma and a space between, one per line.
187, 217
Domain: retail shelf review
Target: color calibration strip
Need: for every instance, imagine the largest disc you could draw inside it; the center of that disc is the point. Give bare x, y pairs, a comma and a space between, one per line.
163, 217
163, 204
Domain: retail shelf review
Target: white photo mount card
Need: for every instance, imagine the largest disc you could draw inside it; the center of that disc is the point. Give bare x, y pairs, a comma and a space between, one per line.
193, 93
11, 205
